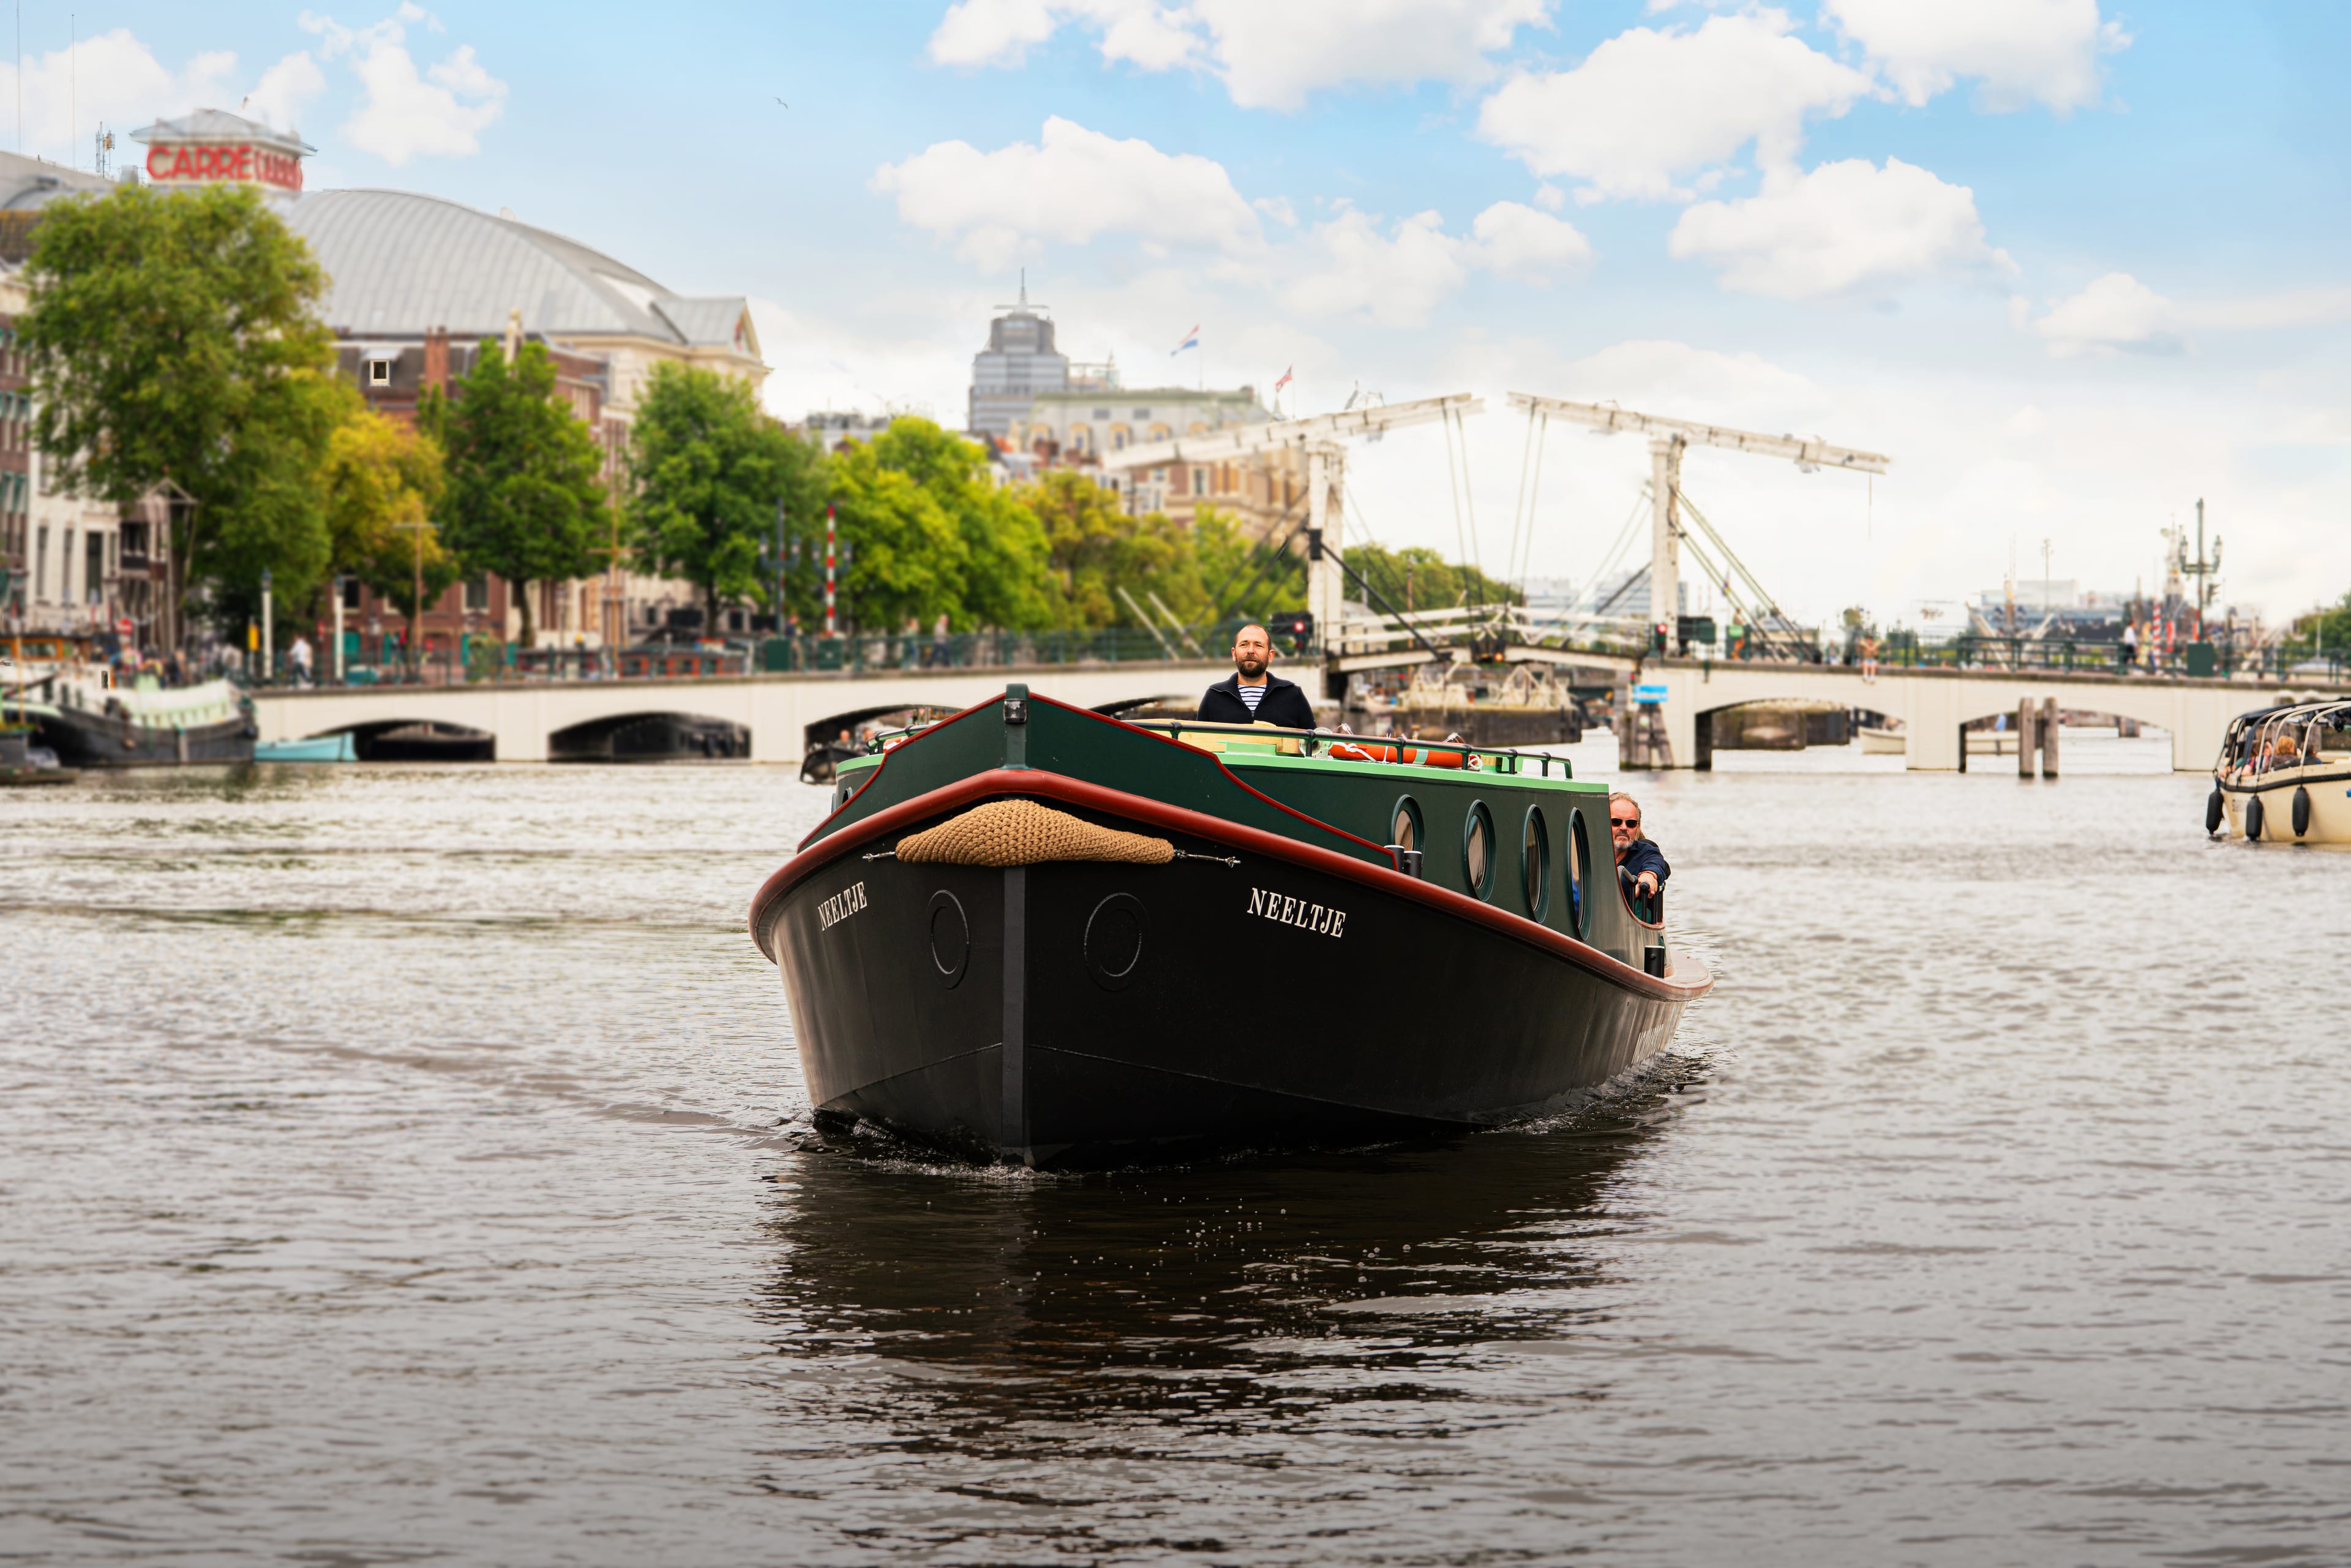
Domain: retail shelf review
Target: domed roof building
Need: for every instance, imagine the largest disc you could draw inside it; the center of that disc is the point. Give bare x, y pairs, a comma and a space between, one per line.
417, 284
405, 268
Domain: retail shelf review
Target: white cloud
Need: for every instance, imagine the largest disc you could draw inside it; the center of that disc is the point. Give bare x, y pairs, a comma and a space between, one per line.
1270, 56
1278, 209
405, 114
2021, 51
1001, 32
1074, 185
112, 79
1520, 242
1399, 277
1397, 280
1647, 108
1843, 228
2118, 314
284, 88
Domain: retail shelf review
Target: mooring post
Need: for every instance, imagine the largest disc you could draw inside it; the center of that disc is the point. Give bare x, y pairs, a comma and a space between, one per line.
2024, 737
2049, 737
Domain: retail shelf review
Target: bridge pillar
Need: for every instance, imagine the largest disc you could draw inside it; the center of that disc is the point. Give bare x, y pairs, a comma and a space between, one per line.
519, 721
1931, 740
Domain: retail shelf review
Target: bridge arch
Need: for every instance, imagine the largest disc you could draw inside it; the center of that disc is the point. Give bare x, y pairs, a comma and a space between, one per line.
1932, 705
659, 734
401, 739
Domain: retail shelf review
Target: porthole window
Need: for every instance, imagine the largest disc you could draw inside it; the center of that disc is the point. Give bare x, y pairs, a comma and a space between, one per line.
1578, 868
1478, 850
1403, 823
1534, 864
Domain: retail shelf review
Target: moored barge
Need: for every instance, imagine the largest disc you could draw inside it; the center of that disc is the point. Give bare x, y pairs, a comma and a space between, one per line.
1031, 933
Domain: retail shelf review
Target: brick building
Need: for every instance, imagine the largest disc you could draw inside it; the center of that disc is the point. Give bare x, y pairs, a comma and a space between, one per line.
419, 284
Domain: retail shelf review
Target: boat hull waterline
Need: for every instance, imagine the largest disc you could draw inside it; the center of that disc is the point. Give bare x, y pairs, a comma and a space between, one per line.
85, 740
1080, 1013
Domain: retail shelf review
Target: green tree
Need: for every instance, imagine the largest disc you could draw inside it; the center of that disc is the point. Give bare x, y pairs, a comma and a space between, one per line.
2324, 630
1002, 580
905, 557
709, 470
1416, 578
382, 483
172, 340
1097, 549
524, 499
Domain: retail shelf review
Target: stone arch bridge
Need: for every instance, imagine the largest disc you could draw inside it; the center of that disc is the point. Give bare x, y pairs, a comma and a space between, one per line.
779, 711
1934, 703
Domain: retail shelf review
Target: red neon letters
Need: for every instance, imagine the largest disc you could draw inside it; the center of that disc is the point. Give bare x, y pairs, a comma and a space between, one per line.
247, 162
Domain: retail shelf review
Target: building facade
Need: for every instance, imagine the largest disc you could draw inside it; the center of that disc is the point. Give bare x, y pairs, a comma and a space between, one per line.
1076, 427
64, 556
420, 284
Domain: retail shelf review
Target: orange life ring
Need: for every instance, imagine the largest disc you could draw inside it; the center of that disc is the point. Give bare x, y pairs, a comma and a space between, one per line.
1426, 755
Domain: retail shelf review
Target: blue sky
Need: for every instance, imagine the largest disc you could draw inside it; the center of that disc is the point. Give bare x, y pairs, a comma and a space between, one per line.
2071, 264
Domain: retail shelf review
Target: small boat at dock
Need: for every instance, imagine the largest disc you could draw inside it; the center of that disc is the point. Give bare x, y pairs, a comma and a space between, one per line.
1035, 933
316, 748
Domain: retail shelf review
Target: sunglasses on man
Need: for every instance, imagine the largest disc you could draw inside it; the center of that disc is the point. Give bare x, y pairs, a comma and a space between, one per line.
1623, 822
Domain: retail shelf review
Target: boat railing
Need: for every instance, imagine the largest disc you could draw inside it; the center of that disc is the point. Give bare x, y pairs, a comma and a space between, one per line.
1271, 739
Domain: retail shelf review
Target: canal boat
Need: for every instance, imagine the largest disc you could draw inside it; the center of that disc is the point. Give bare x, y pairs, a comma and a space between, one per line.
1035, 934
2284, 776
90, 722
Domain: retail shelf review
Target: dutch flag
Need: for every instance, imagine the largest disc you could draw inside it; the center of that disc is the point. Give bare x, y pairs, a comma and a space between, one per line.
1191, 340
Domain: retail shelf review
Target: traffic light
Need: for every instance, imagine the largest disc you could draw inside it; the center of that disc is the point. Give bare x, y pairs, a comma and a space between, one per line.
1296, 630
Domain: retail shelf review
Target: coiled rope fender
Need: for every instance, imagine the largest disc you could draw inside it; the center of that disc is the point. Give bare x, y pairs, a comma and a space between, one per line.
1022, 832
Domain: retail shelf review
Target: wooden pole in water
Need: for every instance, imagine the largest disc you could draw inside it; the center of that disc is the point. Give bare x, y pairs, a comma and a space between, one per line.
2024, 737
2049, 737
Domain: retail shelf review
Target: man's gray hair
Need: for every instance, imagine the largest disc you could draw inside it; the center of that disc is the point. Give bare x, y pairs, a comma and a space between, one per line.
1617, 795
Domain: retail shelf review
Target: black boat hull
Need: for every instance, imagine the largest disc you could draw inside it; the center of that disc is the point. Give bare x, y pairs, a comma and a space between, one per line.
1085, 1013
84, 739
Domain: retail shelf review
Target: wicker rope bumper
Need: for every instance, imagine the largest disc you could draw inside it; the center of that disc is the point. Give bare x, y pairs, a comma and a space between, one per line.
1022, 832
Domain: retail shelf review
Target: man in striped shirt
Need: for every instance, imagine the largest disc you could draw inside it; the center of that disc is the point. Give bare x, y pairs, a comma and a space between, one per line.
1253, 694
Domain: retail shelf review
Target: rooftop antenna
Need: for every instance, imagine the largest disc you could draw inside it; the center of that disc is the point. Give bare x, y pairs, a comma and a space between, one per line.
1024, 288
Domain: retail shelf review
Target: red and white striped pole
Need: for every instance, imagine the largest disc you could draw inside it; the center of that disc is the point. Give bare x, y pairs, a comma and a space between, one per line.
830, 538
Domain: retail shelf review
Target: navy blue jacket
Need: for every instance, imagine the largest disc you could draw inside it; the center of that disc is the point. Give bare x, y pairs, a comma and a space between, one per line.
1644, 855
1283, 704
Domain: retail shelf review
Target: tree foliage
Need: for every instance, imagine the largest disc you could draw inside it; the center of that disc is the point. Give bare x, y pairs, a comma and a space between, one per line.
1096, 549
1425, 578
524, 498
708, 471
172, 338
1000, 579
382, 483
2328, 628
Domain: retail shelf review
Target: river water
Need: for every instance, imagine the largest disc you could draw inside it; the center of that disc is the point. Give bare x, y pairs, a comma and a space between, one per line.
393, 1172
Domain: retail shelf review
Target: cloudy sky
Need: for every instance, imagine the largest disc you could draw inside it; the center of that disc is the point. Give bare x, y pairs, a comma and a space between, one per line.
2072, 265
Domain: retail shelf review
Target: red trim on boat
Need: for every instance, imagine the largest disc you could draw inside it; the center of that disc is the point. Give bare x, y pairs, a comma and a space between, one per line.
844, 806
1006, 781
1104, 718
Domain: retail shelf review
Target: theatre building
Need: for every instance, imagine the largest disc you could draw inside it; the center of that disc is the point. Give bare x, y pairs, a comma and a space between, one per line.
418, 285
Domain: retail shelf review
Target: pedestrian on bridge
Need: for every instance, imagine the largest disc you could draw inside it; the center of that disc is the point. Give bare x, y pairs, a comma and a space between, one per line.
2129, 651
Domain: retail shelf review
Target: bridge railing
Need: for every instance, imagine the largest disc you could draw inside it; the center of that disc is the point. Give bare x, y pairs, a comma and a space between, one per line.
851, 654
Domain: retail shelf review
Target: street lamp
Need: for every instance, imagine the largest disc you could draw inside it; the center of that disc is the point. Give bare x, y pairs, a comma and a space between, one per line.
268, 632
